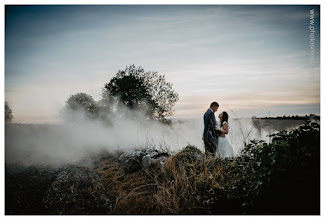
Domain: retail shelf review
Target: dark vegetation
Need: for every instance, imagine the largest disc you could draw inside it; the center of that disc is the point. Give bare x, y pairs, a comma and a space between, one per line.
81, 102
273, 125
282, 177
134, 88
8, 113
292, 117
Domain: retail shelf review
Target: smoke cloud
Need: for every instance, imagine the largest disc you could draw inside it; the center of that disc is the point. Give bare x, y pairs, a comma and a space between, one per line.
69, 142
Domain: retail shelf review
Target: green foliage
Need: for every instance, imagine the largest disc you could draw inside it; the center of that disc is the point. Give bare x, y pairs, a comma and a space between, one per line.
191, 150
132, 87
239, 183
189, 155
137, 89
8, 113
81, 103
304, 143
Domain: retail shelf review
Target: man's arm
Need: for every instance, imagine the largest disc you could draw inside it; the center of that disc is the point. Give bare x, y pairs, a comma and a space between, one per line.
211, 119
217, 131
213, 124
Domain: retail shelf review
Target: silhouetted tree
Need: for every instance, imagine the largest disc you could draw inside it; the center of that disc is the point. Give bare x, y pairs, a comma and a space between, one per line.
137, 89
8, 113
81, 103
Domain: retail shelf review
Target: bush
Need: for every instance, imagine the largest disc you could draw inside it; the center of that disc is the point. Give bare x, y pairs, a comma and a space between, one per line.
251, 176
192, 183
238, 185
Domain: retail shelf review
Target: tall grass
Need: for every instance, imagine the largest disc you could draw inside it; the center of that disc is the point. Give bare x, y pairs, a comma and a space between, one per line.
192, 183
246, 133
180, 187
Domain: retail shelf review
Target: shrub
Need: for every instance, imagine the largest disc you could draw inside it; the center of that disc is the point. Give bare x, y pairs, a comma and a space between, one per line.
192, 183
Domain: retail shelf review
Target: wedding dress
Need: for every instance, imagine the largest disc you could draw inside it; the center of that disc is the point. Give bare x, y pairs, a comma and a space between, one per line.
224, 149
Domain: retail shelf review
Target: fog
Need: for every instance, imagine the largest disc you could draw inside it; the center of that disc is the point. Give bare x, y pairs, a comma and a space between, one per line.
71, 142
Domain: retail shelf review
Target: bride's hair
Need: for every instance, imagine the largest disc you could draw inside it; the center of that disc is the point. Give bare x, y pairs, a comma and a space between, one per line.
224, 118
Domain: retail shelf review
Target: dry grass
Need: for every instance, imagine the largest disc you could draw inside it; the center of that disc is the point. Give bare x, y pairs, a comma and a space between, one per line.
178, 188
132, 192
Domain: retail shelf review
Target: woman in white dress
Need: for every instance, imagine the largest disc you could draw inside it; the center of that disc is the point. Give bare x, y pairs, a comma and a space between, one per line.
224, 149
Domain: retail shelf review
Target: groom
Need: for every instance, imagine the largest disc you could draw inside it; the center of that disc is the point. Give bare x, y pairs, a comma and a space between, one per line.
210, 134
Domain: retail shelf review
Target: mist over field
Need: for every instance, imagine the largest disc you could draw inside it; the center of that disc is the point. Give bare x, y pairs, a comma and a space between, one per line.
70, 142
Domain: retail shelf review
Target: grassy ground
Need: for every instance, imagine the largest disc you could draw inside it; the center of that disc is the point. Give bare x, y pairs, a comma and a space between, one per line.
277, 178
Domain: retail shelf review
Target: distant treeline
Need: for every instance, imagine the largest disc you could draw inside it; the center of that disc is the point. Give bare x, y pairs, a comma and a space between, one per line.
293, 117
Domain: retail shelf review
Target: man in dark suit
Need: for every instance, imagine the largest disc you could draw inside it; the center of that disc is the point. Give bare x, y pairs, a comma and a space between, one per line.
210, 134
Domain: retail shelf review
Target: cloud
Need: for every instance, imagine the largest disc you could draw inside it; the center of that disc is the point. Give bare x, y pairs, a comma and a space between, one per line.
251, 99
204, 51
257, 43
71, 142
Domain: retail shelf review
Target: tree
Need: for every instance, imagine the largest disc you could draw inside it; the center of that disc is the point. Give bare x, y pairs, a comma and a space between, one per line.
81, 103
8, 113
137, 89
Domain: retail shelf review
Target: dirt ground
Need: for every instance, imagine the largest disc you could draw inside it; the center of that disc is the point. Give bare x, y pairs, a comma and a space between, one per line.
70, 189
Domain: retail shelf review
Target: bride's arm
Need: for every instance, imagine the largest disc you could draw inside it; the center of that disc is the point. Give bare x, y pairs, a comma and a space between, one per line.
225, 129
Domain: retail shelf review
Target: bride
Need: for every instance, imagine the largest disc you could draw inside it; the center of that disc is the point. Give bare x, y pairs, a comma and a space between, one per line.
224, 149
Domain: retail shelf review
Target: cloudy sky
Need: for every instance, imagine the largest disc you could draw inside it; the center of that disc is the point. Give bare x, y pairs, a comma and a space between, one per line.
250, 59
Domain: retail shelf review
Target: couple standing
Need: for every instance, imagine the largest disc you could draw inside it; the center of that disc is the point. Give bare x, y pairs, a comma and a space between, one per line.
214, 136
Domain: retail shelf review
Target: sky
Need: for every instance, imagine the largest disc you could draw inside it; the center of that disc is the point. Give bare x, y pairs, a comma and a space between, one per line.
252, 60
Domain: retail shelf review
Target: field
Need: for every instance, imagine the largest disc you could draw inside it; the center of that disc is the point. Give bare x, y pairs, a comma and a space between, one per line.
280, 177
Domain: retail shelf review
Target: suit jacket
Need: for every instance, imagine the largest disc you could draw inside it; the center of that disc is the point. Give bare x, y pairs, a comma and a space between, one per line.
210, 123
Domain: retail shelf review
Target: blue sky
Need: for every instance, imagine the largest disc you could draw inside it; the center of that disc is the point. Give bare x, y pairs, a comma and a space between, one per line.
250, 59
